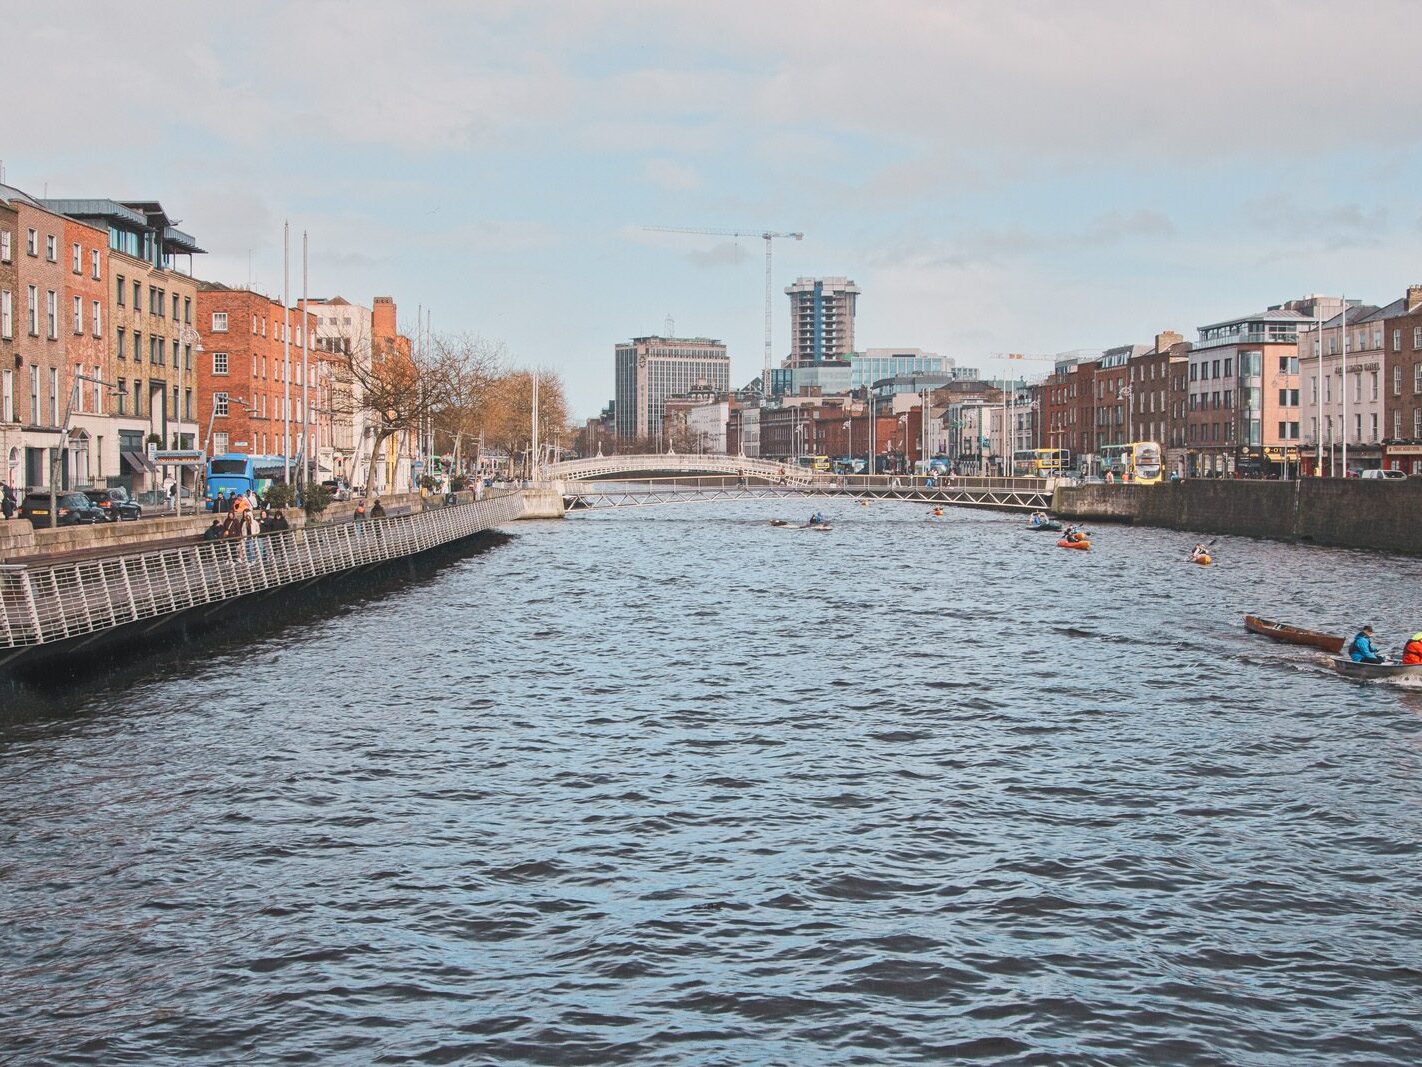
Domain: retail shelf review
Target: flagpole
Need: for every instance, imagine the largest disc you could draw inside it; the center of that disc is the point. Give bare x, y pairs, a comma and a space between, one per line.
286, 348
305, 364
1343, 336
1318, 394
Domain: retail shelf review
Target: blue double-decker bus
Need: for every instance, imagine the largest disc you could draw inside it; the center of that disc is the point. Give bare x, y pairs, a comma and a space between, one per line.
234, 473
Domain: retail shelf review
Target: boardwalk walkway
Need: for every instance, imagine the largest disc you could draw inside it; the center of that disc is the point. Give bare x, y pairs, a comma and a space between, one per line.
64, 600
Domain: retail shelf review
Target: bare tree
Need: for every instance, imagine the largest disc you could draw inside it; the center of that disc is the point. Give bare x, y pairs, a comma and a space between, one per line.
396, 389
468, 369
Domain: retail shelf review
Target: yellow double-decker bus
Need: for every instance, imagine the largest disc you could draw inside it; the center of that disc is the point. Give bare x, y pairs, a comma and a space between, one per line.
1040, 462
1135, 461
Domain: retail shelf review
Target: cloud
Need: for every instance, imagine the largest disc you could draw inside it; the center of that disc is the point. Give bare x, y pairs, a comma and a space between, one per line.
670, 174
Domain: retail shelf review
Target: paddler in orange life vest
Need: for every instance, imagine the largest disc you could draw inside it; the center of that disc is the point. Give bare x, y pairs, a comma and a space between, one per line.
1412, 651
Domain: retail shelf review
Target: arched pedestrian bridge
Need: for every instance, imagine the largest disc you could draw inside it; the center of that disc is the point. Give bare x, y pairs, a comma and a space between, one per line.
647, 480
670, 463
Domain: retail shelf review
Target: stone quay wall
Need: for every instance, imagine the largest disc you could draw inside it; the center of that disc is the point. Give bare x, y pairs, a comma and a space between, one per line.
1354, 513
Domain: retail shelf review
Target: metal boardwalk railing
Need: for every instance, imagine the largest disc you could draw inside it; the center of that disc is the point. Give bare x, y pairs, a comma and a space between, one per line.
46, 603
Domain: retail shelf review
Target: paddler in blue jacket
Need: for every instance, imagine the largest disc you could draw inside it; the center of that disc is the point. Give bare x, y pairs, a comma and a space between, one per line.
1361, 650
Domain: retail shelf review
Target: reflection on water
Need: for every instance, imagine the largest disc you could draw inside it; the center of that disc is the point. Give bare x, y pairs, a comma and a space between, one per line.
674, 786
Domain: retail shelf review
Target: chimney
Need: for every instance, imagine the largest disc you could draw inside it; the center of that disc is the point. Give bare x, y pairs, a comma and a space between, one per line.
382, 319
1414, 297
1165, 339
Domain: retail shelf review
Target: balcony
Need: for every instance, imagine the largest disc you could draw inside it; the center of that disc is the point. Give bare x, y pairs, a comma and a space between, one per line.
1248, 339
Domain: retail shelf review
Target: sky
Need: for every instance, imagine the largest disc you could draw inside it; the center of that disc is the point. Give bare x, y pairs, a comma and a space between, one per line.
996, 177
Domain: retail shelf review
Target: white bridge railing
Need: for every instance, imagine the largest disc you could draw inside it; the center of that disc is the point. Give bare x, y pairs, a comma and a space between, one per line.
672, 463
44, 603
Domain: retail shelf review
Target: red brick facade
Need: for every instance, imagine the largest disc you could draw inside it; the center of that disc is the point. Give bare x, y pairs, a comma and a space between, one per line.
242, 368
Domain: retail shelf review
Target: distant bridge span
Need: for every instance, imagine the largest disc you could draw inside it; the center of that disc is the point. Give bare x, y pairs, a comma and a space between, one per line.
673, 479
608, 467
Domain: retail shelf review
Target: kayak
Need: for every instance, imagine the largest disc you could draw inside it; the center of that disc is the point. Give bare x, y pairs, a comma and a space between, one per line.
818, 526
1050, 524
1408, 674
778, 522
1294, 635
1064, 543
1203, 561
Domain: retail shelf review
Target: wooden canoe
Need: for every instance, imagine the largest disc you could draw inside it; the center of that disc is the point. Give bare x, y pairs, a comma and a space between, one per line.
1294, 635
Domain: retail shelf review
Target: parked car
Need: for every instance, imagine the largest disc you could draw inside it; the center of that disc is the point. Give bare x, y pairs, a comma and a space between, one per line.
73, 509
115, 504
338, 489
1374, 475
158, 500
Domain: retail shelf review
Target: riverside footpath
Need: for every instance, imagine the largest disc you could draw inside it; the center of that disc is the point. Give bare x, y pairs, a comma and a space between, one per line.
1348, 513
81, 589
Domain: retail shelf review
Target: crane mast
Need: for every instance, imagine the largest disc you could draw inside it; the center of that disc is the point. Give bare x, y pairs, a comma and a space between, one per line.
768, 236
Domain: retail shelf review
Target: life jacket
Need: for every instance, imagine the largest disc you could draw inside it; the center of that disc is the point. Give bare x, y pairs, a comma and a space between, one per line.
1412, 651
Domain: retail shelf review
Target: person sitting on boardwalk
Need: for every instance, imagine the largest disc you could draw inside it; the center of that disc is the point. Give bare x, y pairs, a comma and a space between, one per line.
1412, 651
213, 532
377, 511
1361, 650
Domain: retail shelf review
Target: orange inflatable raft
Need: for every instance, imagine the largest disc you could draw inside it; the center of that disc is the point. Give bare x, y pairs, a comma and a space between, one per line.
1082, 544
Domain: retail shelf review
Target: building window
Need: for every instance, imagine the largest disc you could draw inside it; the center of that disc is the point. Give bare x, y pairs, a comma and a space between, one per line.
1374, 383
1416, 337
34, 394
1416, 423
119, 289
51, 248
188, 310
1417, 378
219, 322
53, 395
5, 249
51, 313
32, 248
219, 363
78, 314
1397, 340
152, 349
33, 306
94, 265
98, 319
78, 260
137, 299
175, 307
187, 357
1373, 424
120, 334
187, 403
1396, 425
7, 316
1396, 381
219, 444
219, 405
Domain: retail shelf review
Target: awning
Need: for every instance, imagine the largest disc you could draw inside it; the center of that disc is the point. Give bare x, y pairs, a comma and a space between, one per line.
139, 463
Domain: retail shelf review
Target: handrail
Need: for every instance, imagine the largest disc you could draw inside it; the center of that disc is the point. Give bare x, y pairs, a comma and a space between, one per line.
42, 603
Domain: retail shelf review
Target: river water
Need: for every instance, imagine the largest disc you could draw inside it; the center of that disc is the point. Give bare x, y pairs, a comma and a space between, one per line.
670, 786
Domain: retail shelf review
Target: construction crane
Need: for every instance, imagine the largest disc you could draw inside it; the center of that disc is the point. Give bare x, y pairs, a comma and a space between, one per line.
768, 236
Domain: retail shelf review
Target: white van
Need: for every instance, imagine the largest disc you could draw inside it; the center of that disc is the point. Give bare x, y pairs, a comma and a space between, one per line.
1379, 474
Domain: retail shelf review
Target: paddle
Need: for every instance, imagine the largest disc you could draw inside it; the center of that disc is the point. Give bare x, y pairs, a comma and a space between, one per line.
1208, 544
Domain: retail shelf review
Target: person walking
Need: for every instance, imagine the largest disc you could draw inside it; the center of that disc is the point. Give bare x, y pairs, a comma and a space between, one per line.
7, 501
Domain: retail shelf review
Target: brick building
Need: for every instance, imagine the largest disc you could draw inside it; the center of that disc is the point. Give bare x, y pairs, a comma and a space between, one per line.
243, 374
92, 445
1402, 403
39, 378
150, 299
11, 361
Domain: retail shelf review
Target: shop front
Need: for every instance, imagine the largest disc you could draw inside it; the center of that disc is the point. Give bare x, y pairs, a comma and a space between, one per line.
1405, 456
